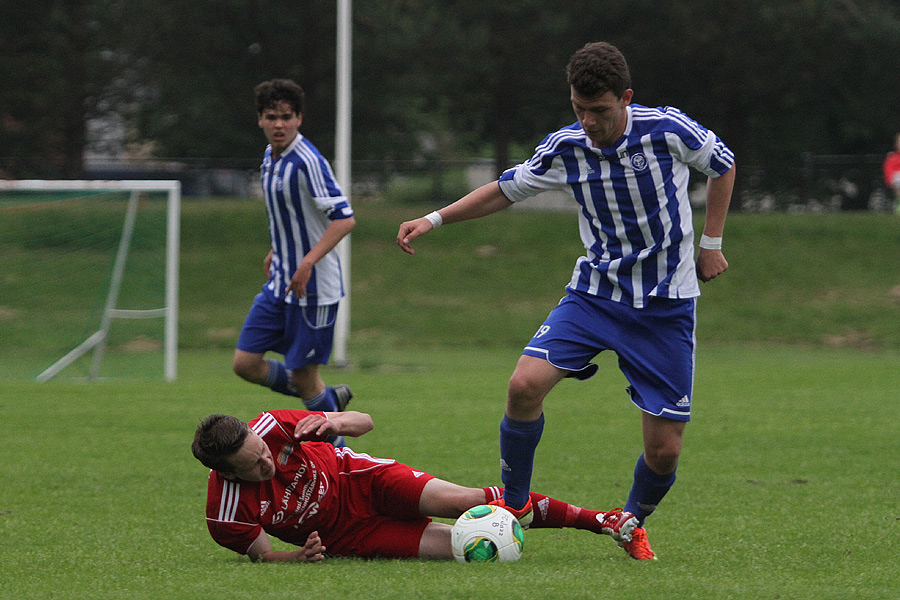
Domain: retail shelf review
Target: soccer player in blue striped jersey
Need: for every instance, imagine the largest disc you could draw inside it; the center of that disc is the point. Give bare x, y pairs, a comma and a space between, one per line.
634, 291
295, 312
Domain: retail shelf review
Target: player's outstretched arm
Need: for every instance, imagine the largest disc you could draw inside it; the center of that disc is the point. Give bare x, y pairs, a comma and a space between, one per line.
350, 423
483, 201
311, 551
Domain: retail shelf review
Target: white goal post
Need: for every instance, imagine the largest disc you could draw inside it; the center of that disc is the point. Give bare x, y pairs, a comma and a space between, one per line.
96, 342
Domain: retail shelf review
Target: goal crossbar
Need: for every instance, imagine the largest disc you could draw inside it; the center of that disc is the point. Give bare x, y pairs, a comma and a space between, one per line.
97, 340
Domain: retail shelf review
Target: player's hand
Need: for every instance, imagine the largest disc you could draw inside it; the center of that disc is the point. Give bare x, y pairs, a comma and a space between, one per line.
315, 427
299, 280
312, 550
410, 230
710, 264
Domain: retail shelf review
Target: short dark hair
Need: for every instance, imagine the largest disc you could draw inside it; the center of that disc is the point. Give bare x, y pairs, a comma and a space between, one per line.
270, 93
219, 437
597, 68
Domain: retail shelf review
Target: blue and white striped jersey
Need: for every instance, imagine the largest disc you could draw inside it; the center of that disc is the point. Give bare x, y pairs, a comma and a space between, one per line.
635, 216
302, 198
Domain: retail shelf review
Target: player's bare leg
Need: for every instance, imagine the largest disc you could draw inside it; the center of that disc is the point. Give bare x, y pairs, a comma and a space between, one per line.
653, 476
662, 442
531, 381
521, 430
307, 381
250, 366
254, 367
444, 499
435, 542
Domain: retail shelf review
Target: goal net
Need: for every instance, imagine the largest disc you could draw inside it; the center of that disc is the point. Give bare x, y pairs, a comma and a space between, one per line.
89, 278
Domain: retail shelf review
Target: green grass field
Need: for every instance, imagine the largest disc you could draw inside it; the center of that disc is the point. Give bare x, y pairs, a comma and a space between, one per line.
788, 486
787, 489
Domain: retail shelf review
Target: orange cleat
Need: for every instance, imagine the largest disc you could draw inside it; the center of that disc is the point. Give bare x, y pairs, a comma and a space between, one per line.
639, 547
524, 515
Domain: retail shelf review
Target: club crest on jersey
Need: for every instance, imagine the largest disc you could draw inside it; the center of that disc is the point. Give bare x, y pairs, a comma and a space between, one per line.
279, 184
285, 454
639, 162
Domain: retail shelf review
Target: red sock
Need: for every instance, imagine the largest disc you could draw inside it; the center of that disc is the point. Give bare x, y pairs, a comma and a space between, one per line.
552, 513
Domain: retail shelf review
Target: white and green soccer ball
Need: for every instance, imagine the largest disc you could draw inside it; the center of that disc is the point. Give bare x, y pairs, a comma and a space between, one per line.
487, 533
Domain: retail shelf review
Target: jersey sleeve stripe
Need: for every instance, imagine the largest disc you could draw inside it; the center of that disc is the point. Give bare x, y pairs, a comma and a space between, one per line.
264, 425
231, 493
319, 175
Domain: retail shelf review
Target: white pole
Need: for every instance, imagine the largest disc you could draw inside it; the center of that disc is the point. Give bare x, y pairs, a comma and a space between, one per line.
342, 165
173, 254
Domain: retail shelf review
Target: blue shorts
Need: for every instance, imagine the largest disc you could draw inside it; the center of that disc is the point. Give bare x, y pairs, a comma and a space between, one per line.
655, 346
303, 334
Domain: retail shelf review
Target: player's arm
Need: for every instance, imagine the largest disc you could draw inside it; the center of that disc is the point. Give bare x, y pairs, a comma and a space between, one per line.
311, 551
711, 261
350, 423
483, 201
333, 234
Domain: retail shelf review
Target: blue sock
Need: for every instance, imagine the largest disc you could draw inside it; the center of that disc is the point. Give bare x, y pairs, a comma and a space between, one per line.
279, 378
325, 401
648, 489
518, 441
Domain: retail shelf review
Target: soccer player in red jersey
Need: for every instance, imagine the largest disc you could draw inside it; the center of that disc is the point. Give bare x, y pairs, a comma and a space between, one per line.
275, 476
891, 169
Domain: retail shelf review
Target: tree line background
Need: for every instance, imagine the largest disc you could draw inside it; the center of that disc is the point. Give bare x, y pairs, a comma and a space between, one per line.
436, 79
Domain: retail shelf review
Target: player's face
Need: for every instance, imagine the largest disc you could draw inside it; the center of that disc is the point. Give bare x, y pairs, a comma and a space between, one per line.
280, 124
253, 462
603, 118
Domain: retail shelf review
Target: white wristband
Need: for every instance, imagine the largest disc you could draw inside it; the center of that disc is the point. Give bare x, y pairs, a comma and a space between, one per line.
435, 219
710, 243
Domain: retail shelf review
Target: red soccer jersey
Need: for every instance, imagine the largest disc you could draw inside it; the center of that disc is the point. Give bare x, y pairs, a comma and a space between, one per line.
341, 494
891, 168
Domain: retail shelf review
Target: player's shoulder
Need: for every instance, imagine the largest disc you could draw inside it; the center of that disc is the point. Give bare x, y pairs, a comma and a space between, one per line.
234, 492
570, 135
272, 422
659, 116
303, 150
278, 423
664, 119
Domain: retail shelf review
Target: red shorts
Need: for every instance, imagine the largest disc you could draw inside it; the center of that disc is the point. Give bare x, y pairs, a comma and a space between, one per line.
382, 502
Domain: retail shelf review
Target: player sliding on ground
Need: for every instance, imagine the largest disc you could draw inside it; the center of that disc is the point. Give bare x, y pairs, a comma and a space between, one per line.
277, 476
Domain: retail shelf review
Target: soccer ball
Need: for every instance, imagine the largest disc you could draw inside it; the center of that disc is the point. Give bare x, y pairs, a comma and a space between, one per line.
487, 533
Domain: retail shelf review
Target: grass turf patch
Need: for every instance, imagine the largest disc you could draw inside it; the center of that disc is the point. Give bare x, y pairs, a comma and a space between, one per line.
785, 489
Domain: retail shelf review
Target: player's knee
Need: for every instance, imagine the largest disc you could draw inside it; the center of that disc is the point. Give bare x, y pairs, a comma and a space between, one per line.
239, 368
523, 393
663, 458
245, 368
